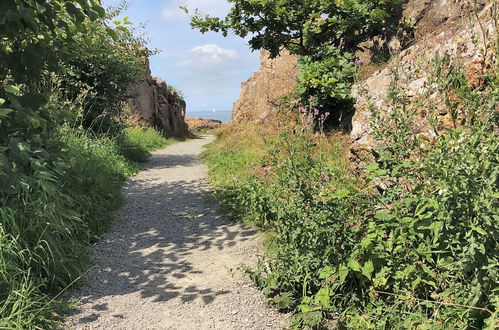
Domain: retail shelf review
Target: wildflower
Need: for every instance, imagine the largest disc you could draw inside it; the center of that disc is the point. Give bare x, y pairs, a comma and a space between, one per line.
326, 114
359, 62
266, 171
302, 110
295, 103
316, 112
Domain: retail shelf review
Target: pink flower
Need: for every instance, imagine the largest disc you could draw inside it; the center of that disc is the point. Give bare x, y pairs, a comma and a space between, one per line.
316, 112
326, 114
359, 61
302, 110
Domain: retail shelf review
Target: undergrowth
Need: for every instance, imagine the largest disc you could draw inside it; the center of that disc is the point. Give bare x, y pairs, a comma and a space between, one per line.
51, 221
66, 68
407, 241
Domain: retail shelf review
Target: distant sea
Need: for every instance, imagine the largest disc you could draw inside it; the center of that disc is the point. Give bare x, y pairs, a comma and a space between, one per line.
222, 115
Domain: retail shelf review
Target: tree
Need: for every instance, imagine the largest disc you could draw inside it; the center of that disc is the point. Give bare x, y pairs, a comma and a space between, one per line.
301, 26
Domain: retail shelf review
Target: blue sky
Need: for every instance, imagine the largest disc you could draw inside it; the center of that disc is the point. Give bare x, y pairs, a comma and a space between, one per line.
207, 68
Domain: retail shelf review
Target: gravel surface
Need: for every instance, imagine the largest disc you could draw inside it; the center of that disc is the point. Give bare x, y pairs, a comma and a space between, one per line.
172, 262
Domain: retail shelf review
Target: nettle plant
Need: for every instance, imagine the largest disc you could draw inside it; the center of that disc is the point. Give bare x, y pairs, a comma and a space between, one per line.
431, 242
421, 251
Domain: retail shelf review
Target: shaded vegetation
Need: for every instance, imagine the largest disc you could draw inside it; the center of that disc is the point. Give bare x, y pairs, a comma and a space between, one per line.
64, 71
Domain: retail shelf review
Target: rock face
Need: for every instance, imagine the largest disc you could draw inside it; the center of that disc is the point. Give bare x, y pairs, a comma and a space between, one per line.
452, 27
261, 94
153, 104
444, 27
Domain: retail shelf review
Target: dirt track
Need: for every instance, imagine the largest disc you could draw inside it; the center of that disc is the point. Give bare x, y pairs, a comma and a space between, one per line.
172, 261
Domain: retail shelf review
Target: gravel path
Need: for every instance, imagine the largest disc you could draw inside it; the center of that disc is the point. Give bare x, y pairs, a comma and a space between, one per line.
172, 261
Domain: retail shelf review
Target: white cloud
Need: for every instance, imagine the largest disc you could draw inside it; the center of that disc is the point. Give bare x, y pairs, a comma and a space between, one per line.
205, 72
212, 54
172, 12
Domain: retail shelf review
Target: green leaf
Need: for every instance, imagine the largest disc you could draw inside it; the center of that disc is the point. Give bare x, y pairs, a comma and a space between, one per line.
372, 167
5, 111
93, 15
342, 193
343, 271
11, 89
123, 29
100, 10
322, 298
326, 272
2, 101
368, 269
354, 265
113, 34
384, 216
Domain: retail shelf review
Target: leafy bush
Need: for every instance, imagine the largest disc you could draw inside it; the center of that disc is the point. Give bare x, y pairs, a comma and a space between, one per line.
325, 80
411, 243
301, 26
59, 65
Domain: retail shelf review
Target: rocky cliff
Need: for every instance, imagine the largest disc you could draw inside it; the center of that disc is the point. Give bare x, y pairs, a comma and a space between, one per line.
443, 27
454, 27
154, 104
262, 93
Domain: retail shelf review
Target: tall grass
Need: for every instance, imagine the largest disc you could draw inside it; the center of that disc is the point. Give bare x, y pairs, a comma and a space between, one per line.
63, 206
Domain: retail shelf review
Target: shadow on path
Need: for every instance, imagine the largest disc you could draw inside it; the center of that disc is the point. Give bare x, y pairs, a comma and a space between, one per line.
166, 226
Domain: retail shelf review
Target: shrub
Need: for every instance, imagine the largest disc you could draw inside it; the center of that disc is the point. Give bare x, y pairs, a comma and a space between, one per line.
325, 80
58, 186
412, 242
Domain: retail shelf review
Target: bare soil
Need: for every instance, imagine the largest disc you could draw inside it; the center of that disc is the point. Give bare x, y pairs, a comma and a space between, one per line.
173, 261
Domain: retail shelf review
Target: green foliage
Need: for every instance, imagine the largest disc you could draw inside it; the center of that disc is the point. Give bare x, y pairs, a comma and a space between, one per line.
44, 252
413, 244
229, 171
135, 143
300, 26
326, 78
176, 92
61, 66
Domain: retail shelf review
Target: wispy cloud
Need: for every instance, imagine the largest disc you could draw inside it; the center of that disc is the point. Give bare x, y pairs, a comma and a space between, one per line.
172, 12
210, 54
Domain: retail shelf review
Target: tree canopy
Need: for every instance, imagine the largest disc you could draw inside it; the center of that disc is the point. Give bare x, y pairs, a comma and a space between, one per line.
301, 26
